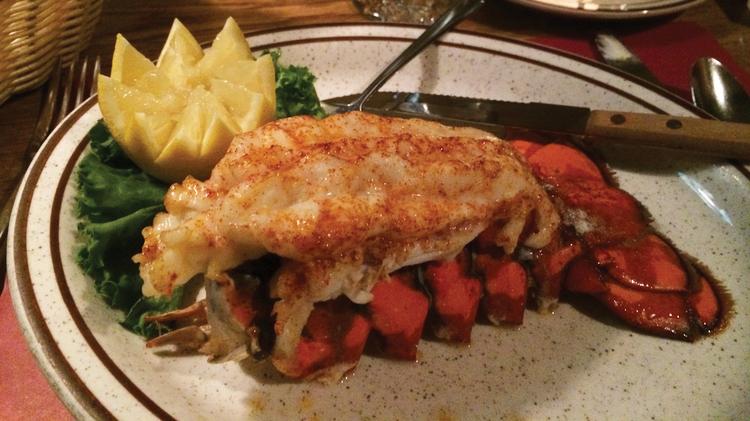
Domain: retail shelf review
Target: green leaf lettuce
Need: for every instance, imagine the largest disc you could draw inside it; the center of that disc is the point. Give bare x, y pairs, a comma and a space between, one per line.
115, 201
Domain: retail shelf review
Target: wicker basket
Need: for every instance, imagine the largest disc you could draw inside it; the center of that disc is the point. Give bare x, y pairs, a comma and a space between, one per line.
33, 33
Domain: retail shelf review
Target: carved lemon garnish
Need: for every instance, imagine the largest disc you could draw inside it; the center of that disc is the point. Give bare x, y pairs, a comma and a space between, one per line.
177, 118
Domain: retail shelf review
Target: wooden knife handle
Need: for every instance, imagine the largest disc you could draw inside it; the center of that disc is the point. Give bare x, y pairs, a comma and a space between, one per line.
729, 140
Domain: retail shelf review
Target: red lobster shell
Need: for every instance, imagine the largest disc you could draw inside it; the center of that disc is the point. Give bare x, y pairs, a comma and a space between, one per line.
608, 251
605, 251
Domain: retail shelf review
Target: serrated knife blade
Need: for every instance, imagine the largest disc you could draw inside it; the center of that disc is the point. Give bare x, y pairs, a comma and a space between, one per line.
731, 140
492, 115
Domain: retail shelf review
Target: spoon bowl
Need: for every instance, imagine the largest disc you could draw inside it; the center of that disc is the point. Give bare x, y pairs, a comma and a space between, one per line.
716, 91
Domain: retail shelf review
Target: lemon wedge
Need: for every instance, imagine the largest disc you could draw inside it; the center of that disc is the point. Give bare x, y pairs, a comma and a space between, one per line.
199, 138
177, 117
257, 76
228, 47
128, 64
179, 56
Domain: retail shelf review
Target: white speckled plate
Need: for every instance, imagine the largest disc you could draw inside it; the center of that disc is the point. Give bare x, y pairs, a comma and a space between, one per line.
611, 9
565, 365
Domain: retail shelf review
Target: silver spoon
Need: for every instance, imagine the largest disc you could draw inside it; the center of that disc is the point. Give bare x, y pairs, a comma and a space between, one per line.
717, 92
455, 14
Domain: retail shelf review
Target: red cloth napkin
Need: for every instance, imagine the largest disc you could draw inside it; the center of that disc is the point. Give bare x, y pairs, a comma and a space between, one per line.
24, 391
668, 51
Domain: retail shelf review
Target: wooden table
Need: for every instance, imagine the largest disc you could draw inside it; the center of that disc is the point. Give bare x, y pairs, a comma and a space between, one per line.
146, 23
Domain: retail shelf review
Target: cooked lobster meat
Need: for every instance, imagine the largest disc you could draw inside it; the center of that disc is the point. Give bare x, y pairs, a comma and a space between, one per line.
384, 228
344, 201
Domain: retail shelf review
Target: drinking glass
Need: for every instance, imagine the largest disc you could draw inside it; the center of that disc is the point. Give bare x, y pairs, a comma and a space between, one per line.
404, 11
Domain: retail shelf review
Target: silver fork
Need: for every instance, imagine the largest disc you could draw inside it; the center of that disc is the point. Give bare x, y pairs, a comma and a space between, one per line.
461, 10
67, 88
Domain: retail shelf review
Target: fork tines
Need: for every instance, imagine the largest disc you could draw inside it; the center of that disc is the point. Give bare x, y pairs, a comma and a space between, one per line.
79, 83
67, 88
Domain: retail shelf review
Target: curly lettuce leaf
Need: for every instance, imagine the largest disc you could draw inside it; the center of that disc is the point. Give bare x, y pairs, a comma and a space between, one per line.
115, 201
107, 193
295, 90
106, 255
105, 147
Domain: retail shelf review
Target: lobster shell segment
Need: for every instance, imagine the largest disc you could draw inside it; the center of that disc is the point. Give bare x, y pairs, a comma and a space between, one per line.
602, 214
455, 297
505, 287
659, 313
663, 314
648, 263
549, 268
332, 341
584, 278
611, 254
525, 147
557, 164
706, 306
398, 312
599, 213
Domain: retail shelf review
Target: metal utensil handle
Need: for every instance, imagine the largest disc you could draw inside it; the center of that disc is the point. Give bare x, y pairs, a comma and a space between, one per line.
455, 14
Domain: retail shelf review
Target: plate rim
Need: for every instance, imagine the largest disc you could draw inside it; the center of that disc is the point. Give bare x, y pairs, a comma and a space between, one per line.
57, 370
60, 374
659, 89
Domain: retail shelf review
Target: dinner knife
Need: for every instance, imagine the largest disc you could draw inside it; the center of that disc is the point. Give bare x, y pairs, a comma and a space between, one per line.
616, 54
730, 140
